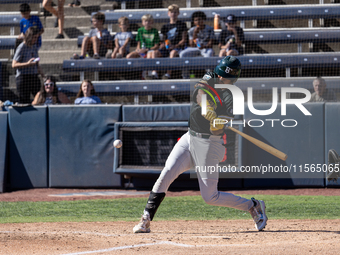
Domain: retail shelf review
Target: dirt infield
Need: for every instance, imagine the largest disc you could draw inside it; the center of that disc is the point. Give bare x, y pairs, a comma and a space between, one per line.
180, 237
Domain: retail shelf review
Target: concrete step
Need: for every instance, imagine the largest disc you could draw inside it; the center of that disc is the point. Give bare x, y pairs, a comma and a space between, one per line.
90, 2
71, 21
59, 45
56, 56
71, 32
77, 11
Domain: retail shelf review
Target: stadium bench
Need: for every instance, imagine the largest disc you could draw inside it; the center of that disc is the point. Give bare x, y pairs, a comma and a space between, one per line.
252, 61
243, 13
281, 36
182, 87
123, 3
20, 1
11, 19
7, 42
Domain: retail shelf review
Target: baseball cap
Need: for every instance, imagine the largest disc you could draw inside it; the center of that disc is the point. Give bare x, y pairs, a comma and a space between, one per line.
229, 68
231, 19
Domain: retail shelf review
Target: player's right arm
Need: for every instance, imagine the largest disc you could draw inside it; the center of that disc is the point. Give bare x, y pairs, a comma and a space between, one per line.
210, 111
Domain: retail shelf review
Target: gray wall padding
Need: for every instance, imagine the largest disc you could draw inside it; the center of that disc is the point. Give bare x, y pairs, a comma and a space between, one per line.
3, 149
304, 144
332, 133
169, 112
81, 150
28, 150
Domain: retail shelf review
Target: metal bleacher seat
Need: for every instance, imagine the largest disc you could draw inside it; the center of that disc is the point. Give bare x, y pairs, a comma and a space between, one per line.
243, 13
251, 61
123, 3
292, 35
182, 87
7, 42
20, 1
12, 19
282, 35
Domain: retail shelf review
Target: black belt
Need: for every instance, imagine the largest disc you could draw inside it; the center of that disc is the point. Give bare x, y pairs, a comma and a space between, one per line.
200, 135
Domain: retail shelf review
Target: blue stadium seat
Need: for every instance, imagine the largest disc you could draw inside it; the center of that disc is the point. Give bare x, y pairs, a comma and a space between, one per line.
12, 19
272, 36
253, 61
241, 12
305, 35
20, 1
7, 42
181, 86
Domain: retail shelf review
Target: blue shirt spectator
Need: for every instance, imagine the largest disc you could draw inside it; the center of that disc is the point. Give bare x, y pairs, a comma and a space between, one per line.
28, 21
87, 94
33, 21
88, 100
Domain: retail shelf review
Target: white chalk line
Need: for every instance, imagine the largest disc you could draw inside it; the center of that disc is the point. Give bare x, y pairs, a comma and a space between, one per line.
147, 244
158, 243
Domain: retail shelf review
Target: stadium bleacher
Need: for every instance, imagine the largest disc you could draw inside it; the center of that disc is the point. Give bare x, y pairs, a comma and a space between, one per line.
251, 61
182, 87
243, 13
7, 42
286, 59
280, 36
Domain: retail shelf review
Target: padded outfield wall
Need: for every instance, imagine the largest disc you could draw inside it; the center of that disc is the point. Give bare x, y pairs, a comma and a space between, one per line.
71, 146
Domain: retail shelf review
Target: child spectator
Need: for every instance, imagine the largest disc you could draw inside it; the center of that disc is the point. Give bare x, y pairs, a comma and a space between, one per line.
49, 93
98, 41
174, 36
122, 39
231, 38
28, 21
87, 94
201, 38
59, 13
147, 42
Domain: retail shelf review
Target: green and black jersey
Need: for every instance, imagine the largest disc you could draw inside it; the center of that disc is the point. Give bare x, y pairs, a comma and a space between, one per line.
225, 108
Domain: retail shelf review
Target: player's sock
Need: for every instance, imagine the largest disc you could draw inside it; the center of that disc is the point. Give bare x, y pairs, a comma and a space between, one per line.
154, 201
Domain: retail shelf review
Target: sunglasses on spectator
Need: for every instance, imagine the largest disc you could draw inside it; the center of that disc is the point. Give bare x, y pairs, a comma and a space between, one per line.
49, 84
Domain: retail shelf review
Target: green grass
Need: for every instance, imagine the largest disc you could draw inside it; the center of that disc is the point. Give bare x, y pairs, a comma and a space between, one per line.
172, 208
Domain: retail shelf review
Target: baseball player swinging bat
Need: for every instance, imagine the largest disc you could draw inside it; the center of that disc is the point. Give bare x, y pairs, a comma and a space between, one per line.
262, 145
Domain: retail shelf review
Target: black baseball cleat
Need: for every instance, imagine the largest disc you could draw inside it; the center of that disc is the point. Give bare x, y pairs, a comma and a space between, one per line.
333, 171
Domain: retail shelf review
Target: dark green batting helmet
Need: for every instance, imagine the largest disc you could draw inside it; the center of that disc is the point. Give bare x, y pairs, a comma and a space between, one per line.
229, 68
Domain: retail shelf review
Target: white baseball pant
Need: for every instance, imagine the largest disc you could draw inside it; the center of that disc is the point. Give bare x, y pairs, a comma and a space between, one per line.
192, 151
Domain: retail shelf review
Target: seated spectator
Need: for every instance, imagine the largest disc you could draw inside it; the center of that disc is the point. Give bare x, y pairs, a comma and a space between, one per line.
98, 41
122, 39
49, 93
59, 13
231, 38
201, 38
321, 94
26, 61
87, 94
28, 21
174, 35
147, 42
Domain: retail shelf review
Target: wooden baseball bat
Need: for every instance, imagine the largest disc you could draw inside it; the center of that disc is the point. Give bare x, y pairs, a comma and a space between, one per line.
262, 145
